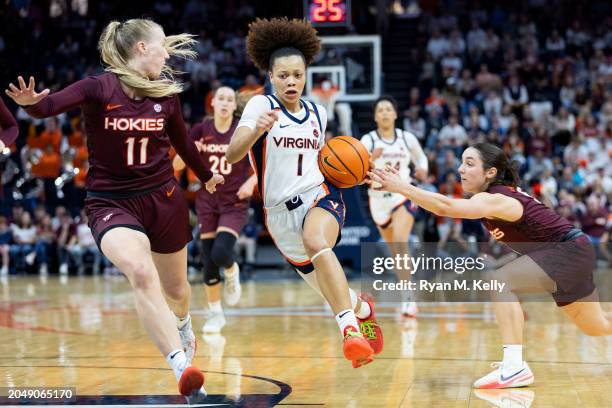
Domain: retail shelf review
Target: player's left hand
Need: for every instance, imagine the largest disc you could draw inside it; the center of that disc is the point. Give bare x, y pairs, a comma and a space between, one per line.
211, 185
26, 95
387, 180
246, 190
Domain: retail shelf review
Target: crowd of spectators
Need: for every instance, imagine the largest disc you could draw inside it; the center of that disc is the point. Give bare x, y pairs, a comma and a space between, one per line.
537, 85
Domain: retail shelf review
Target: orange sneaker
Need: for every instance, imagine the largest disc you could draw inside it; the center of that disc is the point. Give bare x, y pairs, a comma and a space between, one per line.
369, 326
191, 381
356, 348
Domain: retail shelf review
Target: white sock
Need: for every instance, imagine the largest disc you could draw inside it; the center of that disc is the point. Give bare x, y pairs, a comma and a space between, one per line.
178, 362
215, 307
345, 319
513, 356
364, 310
182, 321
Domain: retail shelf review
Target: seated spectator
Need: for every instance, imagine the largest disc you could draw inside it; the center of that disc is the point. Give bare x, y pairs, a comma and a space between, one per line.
64, 232
82, 243
575, 153
437, 45
5, 245
26, 248
453, 135
414, 124
515, 95
595, 223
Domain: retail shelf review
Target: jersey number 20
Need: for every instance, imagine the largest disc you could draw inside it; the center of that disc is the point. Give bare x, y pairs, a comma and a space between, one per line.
220, 165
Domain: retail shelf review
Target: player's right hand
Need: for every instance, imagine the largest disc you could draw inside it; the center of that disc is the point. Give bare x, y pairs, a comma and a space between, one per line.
266, 121
211, 185
25, 95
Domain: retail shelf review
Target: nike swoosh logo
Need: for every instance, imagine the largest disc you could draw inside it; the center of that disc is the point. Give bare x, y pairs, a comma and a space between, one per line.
344, 314
174, 355
169, 193
111, 107
284, 126
513, 375
326, 161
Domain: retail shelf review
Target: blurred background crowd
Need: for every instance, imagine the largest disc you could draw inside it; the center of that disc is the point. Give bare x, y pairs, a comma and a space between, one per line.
533, 77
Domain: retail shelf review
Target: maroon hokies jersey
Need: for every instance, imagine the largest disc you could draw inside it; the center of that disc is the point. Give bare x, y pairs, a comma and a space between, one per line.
216, 144
539, 224
128, 140
8, 125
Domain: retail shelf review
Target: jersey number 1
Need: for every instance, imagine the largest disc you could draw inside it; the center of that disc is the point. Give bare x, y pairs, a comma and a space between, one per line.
299, 169
130, 150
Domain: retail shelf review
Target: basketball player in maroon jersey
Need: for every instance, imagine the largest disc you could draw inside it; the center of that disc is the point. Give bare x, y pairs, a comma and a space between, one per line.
556, 257
222, 215
8, 132
136, 211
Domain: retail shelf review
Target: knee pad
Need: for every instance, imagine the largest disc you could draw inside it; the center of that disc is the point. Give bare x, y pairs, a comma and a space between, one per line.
222, 252
210, 269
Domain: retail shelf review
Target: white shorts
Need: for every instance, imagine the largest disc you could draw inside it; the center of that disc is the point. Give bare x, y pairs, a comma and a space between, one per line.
382, 207
286, 226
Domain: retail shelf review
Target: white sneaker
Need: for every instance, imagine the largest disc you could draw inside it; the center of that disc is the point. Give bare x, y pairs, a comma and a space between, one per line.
4, 271
29, 258
44, 270
409, 309
500, 378
188, 340
214, 323
519, 398
63, 269
231, 287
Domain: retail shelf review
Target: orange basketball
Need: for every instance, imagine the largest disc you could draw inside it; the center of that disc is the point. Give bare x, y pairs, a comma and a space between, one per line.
344, 161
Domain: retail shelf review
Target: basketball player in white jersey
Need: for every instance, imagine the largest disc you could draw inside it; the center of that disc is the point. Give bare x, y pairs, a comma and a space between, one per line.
393, 213
283, 135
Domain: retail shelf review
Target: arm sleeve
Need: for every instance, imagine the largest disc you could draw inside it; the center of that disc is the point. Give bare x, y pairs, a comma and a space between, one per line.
254, 108
418, 155
8, 125
81, 92
185, 147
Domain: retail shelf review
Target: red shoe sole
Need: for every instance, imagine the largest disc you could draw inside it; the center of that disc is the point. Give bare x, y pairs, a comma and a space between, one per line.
192, 379
358, 351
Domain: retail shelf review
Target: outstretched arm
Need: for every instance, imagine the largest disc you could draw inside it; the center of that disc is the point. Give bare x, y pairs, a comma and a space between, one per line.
42, 105
481, 205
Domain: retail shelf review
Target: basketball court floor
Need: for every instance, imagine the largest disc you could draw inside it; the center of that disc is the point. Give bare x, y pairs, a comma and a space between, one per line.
281, 346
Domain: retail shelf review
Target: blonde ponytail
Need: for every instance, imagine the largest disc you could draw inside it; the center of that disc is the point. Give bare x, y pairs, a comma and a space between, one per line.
116, 44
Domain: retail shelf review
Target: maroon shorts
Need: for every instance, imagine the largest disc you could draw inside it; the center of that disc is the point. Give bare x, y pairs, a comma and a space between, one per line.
161, 214
222, 209
570, 264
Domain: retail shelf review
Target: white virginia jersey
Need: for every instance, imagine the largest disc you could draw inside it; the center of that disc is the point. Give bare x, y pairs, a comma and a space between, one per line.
285, 158
398, 153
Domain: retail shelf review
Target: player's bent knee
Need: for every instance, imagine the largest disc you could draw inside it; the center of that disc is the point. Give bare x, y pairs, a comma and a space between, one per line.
315, 244
178, 292
138, 274
222, 257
